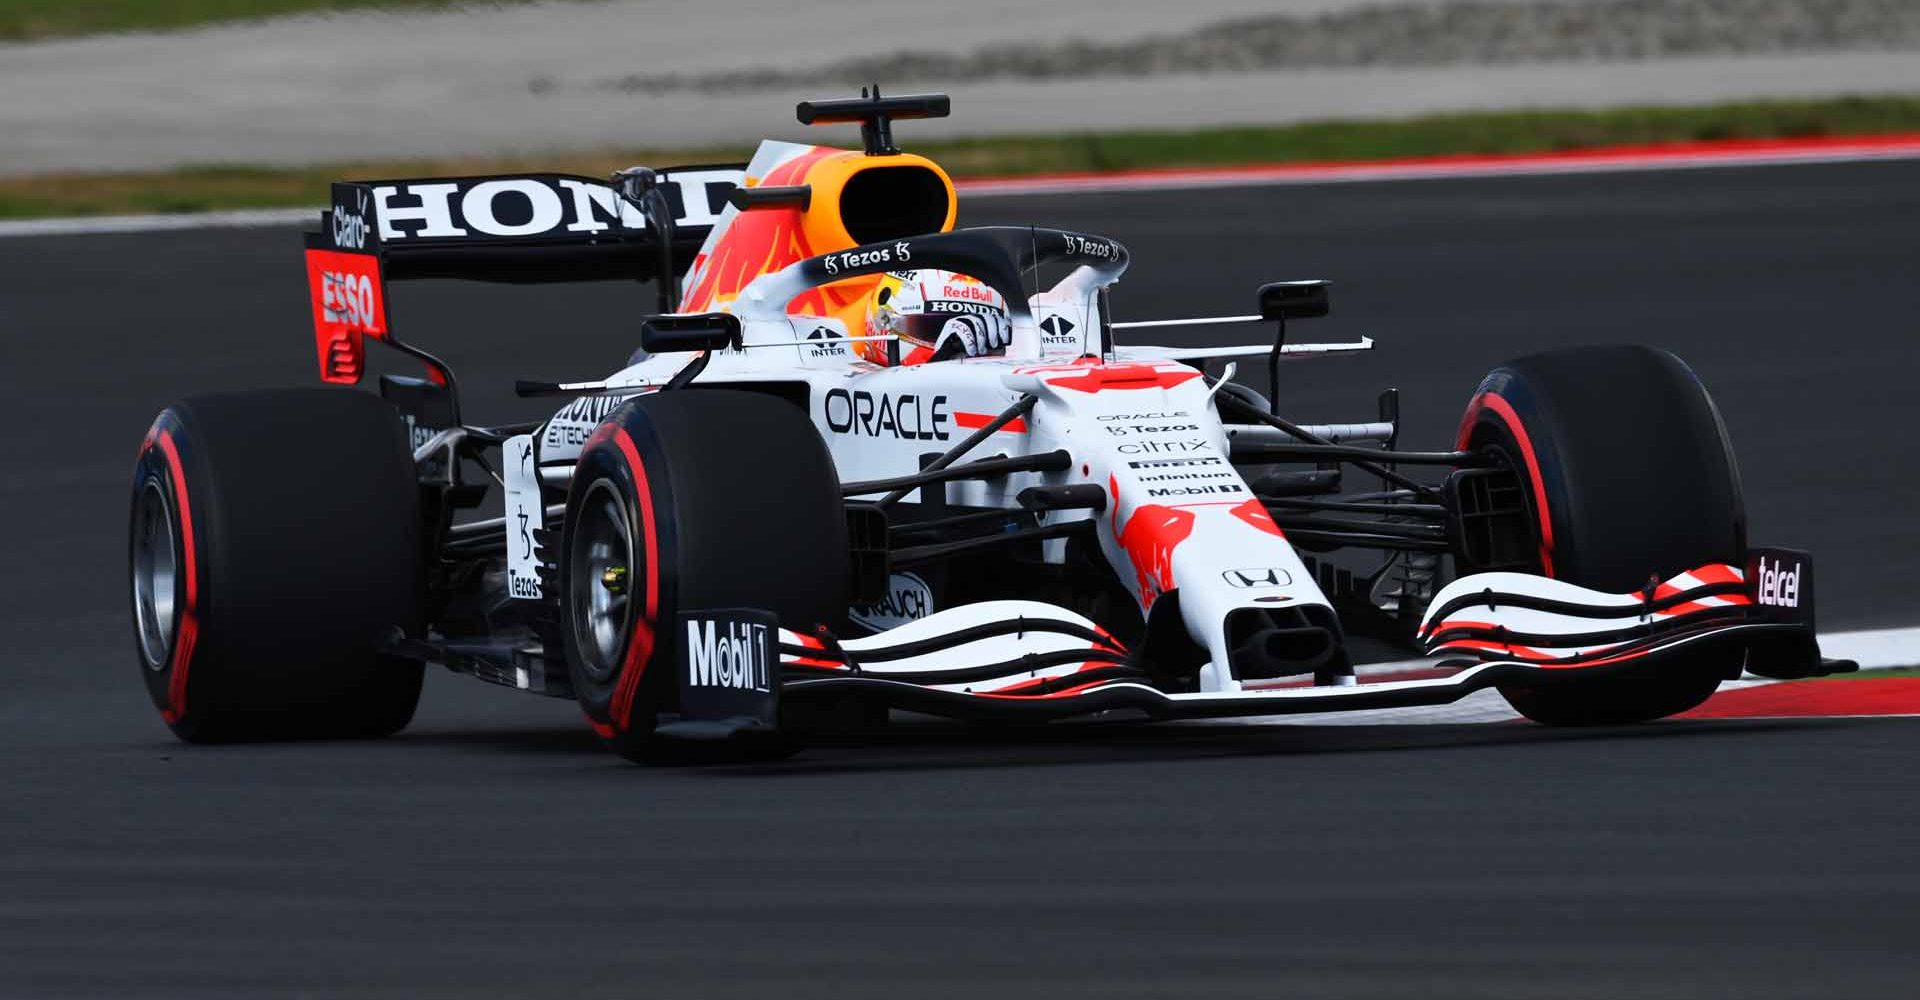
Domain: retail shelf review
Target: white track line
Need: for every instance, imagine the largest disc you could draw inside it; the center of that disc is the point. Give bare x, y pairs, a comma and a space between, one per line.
246, 219
1875, 649
1599, 161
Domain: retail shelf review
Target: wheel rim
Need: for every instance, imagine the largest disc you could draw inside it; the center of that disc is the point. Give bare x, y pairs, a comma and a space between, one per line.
601, 581
155, 576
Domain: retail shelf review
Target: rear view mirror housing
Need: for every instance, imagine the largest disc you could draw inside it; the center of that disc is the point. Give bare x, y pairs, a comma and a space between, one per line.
1285, 300
677, 333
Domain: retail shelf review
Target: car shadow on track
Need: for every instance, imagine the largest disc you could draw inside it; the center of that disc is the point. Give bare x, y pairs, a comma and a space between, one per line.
962, 748
920, 745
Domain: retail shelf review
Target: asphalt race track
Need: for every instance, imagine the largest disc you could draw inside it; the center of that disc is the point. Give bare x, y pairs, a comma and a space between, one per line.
493, 849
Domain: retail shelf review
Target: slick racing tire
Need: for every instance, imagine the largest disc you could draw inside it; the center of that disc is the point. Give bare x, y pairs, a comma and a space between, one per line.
1626, 464
274, 543
690, 499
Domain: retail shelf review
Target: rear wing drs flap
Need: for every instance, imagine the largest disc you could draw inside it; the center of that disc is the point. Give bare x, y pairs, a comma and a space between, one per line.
515, 228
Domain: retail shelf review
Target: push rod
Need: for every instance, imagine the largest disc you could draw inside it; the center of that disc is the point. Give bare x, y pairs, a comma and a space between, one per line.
952, 455
1048, 461
1297, 431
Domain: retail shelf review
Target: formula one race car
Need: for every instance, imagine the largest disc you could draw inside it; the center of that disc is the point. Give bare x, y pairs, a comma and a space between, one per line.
864, 462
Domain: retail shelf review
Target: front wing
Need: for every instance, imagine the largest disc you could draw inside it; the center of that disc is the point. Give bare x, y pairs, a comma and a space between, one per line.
1144, 698
1028, 661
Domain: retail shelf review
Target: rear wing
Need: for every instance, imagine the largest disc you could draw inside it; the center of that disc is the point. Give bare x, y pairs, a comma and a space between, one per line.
514, 228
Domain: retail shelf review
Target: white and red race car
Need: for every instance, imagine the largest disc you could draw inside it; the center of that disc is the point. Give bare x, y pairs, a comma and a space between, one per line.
767, 522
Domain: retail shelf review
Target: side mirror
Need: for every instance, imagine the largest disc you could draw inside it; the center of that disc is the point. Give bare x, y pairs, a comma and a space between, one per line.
675, 333
1284, 300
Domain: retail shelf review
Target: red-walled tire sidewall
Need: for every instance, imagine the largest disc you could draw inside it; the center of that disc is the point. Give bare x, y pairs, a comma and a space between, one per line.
1626, 453
296, 541
735, 496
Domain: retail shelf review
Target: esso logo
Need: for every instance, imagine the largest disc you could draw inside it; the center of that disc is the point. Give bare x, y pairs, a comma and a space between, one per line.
348, 298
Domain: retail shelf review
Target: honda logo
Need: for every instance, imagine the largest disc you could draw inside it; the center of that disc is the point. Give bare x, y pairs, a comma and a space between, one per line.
1247, 579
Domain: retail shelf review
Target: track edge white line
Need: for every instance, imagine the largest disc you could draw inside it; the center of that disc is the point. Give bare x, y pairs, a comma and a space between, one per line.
1231, 177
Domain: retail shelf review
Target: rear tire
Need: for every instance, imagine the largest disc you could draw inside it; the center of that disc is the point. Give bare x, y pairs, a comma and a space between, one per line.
1626, 464
275, 541
690, 499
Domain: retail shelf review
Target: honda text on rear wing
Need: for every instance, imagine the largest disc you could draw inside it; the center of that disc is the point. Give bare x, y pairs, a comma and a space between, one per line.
643, 225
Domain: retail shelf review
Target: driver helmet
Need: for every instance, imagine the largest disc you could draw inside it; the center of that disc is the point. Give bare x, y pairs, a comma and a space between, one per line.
935, 314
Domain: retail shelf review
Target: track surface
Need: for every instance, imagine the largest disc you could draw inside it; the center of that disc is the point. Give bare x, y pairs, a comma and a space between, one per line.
494, 849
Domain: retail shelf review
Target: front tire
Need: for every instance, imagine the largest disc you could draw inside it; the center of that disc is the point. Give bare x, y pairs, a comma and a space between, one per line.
274, 543
685, 500
1627, 469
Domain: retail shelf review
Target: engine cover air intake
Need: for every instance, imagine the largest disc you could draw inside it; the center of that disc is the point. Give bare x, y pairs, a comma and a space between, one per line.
860, 199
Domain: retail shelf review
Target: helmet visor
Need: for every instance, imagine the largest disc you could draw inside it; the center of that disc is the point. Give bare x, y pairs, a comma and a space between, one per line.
924, 327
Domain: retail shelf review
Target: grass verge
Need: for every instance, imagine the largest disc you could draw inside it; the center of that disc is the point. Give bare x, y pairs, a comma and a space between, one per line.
205, 188
33, 20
